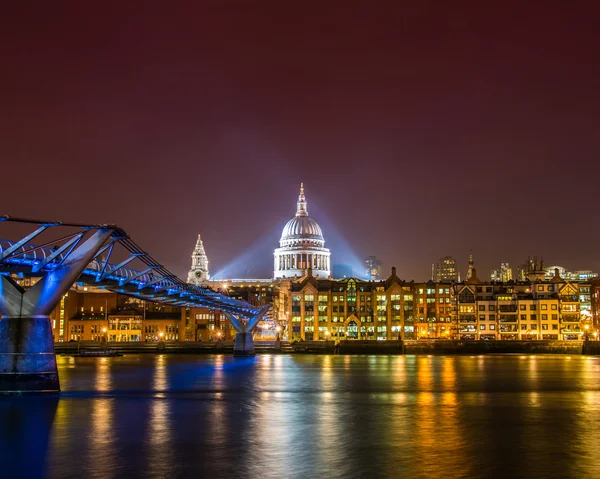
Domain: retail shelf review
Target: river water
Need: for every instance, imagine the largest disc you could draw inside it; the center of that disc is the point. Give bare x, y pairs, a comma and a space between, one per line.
304, 416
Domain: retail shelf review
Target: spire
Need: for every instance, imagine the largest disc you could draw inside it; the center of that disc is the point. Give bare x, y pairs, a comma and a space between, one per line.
471, 269
301, 211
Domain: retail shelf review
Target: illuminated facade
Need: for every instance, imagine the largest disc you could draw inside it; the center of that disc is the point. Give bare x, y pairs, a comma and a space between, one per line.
446, 271
392, 309
199, 271
94, 314
532, 310
538, 309
302, 247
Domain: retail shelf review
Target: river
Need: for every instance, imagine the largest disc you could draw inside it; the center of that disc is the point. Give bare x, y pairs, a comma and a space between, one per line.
308, 416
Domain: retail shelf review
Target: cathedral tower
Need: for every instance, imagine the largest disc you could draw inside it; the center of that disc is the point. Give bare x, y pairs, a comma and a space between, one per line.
199, 271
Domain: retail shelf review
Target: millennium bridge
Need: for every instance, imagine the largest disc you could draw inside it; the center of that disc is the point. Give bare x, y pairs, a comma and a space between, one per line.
101, 255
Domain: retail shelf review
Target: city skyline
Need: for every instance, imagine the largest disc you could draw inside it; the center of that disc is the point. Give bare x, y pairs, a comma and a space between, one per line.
419, 132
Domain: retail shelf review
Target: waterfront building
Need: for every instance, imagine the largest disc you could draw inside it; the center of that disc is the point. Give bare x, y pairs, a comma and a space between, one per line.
199, 271
373, 268
321, 309
391, 309
446, 271
94, 314
531, 310
595, 303
302, 246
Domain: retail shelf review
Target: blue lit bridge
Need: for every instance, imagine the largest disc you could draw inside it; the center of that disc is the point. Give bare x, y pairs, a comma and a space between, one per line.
61, 254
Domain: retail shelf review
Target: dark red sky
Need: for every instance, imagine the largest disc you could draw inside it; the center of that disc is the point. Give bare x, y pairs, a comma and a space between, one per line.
419, 128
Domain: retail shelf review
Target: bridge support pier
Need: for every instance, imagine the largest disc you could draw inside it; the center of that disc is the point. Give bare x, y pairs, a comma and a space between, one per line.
244, 344
27, 359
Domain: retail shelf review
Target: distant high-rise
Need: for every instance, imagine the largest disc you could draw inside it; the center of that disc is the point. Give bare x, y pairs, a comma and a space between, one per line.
199, 270
504, 274
373, 268
446, 270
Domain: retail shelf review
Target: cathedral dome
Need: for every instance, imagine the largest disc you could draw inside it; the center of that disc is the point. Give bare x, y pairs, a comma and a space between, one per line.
301, 228
302, 246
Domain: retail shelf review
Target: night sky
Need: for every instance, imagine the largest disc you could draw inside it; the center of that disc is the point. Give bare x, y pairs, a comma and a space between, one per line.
420, 129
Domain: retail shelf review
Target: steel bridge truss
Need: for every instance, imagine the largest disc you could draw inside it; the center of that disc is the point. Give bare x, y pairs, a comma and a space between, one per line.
102, 256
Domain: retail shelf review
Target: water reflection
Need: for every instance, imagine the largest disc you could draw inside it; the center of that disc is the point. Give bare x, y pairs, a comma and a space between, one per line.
312, 416
25, 425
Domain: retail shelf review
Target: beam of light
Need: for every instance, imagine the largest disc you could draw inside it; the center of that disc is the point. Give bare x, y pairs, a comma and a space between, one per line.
342, 252
256, 261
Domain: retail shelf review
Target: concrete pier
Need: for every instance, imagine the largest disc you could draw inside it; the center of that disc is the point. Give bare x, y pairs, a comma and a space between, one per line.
27, 359
244, 345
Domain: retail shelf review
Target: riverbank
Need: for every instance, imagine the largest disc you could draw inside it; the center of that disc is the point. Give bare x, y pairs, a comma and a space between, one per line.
449, 347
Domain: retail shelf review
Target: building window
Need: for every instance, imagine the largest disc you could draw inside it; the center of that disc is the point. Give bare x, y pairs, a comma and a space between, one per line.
544, 317
522, 307
482, 307
482, 326
544, 307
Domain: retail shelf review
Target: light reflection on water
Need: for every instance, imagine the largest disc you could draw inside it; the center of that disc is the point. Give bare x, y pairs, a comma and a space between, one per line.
311, 416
